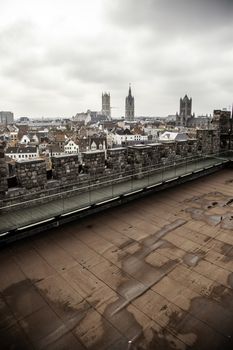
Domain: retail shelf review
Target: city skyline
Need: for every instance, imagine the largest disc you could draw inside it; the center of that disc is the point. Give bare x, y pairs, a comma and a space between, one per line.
57, 61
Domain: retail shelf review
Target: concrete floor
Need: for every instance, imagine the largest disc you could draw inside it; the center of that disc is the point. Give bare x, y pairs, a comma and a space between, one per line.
156, 273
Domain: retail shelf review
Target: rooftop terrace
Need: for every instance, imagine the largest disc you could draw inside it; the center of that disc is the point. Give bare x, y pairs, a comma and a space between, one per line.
156, 273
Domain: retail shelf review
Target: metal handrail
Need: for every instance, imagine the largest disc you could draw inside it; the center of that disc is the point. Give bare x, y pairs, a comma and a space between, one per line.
105, 180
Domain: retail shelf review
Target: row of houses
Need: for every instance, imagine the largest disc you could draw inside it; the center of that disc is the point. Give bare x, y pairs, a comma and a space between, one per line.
18, 153
70, 147
24, 142
58, 147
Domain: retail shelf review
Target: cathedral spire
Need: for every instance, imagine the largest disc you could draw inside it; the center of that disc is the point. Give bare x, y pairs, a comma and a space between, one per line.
130, 94
129, 106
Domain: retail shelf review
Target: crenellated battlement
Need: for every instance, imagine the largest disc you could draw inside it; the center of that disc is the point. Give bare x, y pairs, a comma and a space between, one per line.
73, 171
3, 173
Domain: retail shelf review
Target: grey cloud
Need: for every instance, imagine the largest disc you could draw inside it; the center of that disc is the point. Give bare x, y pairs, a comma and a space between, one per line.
17, 37
105, 63
165, 48
173, 15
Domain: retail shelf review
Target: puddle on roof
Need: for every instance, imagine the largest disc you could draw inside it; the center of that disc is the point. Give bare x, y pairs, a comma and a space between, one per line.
215, 310
210, 320
213, 209
227, 251
18, 295
192, 259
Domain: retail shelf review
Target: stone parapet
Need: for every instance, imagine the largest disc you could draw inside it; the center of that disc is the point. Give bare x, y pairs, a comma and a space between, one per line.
93, 162
117, 159
182, 149
65, 168
71, 172
208, 141
3, 172
139, 156
31, 173
15, 192
192, 147
155, 153
168, 152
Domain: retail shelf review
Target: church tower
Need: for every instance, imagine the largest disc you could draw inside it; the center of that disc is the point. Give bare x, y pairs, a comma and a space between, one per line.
185, 111
106, 107
129, 106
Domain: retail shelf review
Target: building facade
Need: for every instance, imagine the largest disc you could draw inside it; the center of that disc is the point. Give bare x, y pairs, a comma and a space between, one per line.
121, 137
106, 105
71, 147
129, 106
21, 152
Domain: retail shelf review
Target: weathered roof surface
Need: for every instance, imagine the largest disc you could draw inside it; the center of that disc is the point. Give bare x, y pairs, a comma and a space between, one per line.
28, 149
173, 136
54, 148
157, 271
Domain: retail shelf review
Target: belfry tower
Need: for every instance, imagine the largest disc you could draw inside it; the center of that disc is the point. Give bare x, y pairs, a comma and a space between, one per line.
106, 107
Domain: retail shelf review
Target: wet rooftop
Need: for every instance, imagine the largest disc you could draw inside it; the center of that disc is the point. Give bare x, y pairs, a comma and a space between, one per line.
156, 273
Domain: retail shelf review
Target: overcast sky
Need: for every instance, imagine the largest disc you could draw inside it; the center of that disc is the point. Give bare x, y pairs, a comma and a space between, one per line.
57, 56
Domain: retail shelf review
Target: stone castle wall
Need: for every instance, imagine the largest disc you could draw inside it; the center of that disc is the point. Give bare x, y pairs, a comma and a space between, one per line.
31, 174
93, 162
155, 153
116, 159
69, 170
3, 173
208, 141
65, 169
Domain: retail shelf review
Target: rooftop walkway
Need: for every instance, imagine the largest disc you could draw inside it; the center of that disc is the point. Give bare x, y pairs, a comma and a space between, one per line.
18, 217
156, 273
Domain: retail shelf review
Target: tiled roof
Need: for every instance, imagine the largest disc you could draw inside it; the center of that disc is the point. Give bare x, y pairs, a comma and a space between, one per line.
20, 150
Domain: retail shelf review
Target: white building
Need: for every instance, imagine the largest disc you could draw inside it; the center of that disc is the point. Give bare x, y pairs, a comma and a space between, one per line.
22, 152
71, 147
25, 140
152, 132
121, 137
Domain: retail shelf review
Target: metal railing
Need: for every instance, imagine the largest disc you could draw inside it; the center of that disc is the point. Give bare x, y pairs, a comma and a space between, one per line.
100, 189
